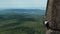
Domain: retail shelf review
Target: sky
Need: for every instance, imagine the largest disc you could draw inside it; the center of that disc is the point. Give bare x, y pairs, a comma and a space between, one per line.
23, 4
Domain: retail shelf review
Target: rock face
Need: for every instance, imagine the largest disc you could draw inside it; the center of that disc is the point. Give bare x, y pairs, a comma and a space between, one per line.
53, 16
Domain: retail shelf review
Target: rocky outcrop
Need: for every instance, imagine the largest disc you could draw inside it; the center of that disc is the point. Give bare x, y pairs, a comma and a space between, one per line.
53, 16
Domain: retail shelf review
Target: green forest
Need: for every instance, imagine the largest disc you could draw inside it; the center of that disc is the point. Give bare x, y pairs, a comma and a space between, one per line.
21, 24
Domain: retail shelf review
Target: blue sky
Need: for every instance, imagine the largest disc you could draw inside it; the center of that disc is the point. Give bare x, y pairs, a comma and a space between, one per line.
24, 4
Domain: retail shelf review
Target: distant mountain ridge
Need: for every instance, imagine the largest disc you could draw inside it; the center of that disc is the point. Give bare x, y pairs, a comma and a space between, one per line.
27, 11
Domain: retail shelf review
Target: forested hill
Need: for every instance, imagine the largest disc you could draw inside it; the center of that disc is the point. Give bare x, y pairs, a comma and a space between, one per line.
21, 21
19, 11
